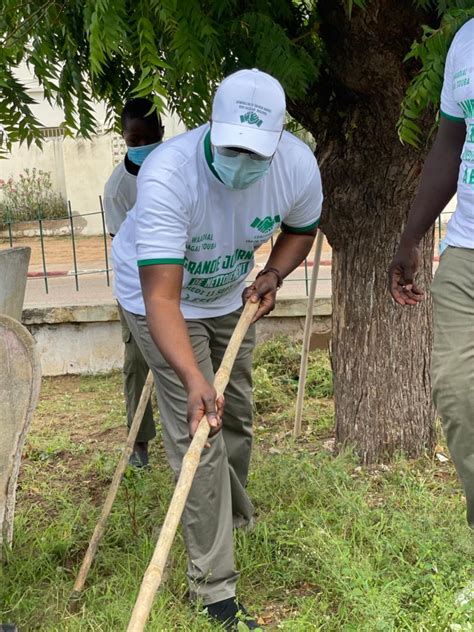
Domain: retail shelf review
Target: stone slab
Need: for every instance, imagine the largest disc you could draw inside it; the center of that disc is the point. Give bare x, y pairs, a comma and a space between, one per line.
19, 390
13, 274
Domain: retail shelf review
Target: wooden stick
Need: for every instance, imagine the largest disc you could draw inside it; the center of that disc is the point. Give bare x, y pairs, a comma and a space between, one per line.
112, 493
308, 327
154, 572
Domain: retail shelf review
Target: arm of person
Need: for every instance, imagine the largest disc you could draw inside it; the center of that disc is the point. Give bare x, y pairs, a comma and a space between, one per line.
437, 187
115, 211
161, 286
289, 251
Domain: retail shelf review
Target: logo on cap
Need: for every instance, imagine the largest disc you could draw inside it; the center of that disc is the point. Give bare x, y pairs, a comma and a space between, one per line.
251, 118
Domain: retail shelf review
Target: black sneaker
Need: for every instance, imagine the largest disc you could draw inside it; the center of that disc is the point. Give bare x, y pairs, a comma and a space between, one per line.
139, 456
8, 627
229, 612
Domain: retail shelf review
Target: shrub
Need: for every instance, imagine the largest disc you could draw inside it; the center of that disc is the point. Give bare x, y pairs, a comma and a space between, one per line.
29, 197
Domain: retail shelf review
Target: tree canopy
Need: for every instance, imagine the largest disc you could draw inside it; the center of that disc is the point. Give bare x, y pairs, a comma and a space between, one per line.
82, 51
355, 72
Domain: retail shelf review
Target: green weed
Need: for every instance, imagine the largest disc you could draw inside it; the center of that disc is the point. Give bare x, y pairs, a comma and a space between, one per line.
336, 547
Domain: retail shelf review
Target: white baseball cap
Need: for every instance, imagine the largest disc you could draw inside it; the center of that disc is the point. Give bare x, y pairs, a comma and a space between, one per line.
248, 111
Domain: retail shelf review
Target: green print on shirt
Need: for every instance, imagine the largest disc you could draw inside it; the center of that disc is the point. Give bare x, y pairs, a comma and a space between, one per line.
468, 107
470, 133
461, 78
251, 118
266, 224
220, 279
210, 266
468, 155
468, 177
208, 288
203, 237
202, 242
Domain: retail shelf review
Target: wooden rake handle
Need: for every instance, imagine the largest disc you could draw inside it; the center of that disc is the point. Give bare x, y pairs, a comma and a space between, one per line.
154, 572
308, 328
113, 489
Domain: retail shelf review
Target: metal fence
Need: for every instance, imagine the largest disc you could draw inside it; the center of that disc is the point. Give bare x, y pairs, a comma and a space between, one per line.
13, 234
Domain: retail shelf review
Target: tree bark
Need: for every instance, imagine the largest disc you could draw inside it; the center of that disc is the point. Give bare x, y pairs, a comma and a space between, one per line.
380, 351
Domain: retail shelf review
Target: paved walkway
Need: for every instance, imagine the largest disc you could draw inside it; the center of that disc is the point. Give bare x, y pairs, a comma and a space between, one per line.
93, 288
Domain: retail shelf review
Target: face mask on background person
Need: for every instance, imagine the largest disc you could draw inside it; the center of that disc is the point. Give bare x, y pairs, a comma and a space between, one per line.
138, 154
238, 170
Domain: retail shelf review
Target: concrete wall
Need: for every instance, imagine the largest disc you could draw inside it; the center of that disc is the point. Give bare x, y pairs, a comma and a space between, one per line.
87, 339
79, 168
87, 165
50, 158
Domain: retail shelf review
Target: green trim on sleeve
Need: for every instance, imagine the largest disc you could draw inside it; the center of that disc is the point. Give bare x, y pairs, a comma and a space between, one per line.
154, 262
452, 118
208, 154
299, 229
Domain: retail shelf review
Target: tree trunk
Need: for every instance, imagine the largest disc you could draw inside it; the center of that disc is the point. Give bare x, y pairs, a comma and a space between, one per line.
380, 351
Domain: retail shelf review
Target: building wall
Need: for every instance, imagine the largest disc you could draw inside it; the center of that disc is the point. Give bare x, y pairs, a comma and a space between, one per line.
87, 165
79, 168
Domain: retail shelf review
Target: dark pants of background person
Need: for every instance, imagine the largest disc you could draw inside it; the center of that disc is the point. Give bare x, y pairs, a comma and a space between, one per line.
453, 361
135, 371
217, 500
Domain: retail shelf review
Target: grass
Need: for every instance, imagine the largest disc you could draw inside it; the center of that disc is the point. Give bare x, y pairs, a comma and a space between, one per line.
336, 546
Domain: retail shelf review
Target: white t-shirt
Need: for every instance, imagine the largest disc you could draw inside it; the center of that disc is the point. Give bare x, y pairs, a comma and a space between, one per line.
457, 103
120, 193
185, 215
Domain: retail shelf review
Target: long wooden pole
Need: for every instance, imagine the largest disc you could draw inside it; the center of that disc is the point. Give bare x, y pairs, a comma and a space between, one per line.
308, 327
113, 489
154, 572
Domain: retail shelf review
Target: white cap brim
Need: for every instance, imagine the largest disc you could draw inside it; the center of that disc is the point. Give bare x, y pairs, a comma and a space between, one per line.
262, 142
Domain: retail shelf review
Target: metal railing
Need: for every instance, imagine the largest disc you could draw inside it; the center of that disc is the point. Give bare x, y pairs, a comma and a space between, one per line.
12, 235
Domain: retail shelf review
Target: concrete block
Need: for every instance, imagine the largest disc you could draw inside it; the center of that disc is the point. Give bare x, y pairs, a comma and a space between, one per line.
13, 273
87, 338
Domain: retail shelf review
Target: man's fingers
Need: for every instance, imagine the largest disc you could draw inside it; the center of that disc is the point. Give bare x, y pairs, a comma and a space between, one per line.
251, 294
413, 293
402, 288
220, 406
395, 287
266, 306
397, 296
407, 294
213, 416
211, 412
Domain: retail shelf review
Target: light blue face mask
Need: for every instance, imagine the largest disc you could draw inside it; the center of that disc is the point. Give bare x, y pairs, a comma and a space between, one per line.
138, 154
239, 171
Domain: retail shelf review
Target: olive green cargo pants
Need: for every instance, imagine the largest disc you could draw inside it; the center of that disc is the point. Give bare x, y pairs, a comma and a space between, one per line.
135, 371
217, 497
453, 361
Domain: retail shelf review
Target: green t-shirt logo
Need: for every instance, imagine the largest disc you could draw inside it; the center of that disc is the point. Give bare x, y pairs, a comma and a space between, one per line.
266, 224
467, 107
251, 118
470, 133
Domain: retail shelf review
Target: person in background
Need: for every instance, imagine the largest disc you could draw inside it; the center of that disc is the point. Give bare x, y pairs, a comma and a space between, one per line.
449, 169
207, 200
142, 132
